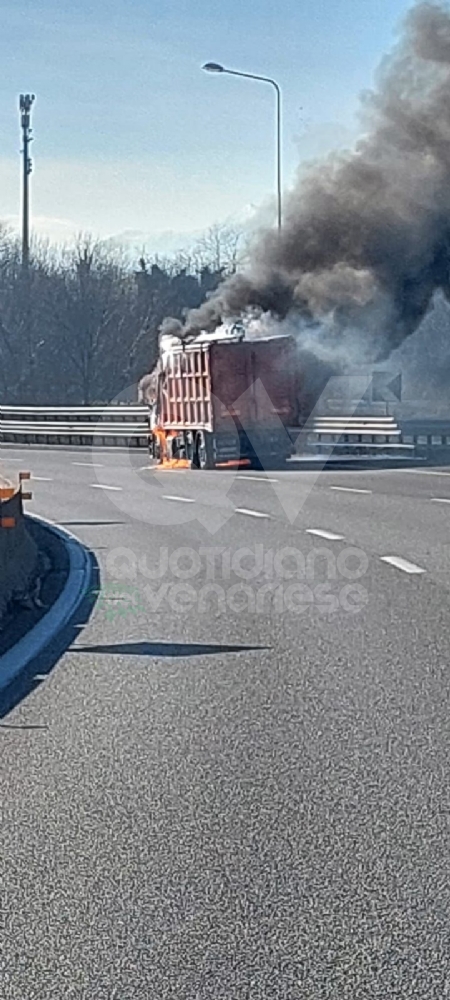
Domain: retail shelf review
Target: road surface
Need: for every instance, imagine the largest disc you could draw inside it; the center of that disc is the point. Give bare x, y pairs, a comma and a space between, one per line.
234, 784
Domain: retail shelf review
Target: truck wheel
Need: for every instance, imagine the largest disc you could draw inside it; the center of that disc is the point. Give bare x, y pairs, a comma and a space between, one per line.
203, 451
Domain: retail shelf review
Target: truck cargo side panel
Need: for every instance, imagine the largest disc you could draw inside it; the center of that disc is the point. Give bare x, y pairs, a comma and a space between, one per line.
253, 383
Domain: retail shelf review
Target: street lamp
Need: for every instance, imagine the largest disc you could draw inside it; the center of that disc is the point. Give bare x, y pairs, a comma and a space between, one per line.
212, 67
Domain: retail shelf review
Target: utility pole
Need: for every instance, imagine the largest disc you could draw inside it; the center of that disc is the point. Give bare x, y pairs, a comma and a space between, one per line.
25, 105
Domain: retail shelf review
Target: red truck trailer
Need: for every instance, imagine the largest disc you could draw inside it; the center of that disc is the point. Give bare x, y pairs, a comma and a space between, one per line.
229, 401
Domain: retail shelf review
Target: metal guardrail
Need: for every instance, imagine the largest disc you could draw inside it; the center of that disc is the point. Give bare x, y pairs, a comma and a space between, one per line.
87, 414
429, 431
104, 425
364, 426
355, 433
125, 424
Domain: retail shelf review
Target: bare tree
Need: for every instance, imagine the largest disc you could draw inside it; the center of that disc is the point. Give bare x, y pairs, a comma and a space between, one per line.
81, 325
219, 249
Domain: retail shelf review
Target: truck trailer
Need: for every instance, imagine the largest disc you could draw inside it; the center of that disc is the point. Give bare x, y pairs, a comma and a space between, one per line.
229, 401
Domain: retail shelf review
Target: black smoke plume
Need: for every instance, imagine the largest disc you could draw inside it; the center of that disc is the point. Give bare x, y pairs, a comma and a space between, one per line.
366, 236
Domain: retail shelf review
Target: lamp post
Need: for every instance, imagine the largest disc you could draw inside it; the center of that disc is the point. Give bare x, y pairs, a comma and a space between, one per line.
212, 67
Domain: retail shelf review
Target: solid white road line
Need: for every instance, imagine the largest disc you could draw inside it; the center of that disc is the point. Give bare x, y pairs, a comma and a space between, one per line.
348, 489
403, 564
180, 499
103, 486
423, 472
439, 500
89, 465
251, 513
258, 479
329, 535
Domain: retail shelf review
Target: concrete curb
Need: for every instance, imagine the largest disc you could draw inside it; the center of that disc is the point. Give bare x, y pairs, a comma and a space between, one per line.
16, 659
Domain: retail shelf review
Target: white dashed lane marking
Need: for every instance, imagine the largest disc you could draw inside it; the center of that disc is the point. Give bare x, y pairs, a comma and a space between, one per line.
89, 465
403, 564
321, 533
103, 486
348, 489
251, 513
180, 499
41, 479
439, 500
258, 479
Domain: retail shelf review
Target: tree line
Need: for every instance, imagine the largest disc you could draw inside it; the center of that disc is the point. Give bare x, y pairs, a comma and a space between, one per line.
80, 325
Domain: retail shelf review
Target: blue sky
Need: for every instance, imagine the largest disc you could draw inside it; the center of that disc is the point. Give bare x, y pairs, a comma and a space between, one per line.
131, 135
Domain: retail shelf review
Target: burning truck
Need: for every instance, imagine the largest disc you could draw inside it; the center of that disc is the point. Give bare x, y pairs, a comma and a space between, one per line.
362, 255
228, 400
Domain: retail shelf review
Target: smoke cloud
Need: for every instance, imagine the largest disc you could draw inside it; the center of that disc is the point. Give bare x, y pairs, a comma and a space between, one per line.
366, 235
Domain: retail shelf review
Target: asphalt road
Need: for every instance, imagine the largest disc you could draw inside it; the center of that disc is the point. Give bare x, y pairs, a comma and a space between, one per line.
234, 784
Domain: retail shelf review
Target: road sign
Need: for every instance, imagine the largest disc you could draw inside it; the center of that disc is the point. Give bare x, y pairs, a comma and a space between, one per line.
386, 387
